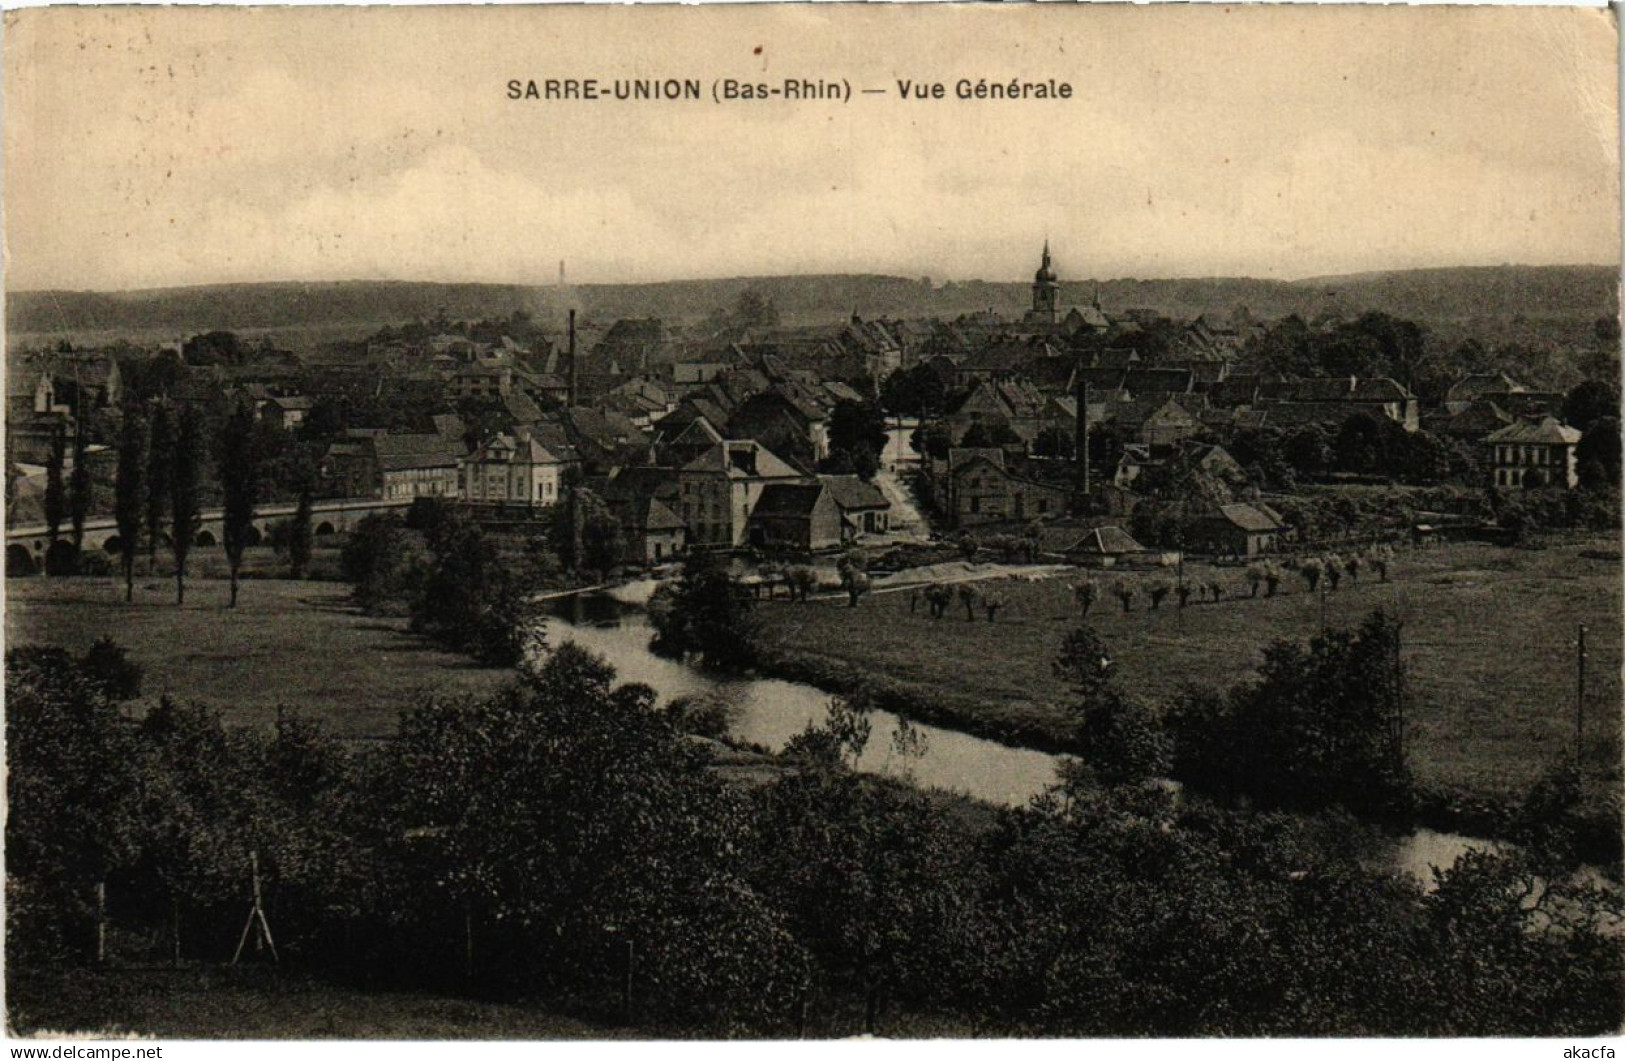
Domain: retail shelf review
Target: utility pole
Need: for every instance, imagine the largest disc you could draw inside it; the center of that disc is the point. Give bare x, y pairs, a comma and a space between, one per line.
571, 396
1580, 696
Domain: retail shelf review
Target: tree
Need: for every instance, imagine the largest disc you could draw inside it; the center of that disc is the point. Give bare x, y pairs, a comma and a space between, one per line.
160, 476
1085, 663
706, 612
299, 534
1597, 457
940, 598
1124, 593
79, 487
130, 490
1123, 743
916, 391
857, 435
1086, 593
186, 492
853, 568
968, 596
239, 484
381, 562
1322, 726
602, 547
56, 497
1311, 570
1159, 591
1589, 401
931, 439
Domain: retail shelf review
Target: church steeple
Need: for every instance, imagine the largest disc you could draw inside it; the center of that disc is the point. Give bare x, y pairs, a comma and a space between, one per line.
1046, 290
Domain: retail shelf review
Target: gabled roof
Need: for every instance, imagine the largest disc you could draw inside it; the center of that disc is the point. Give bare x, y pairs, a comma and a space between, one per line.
742, 459
1546, 431
402, 452
1105, 541
1252, 517
852, 493
787, 500
960, 455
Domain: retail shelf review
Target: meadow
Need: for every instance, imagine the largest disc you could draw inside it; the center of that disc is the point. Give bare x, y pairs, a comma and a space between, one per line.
302, 645
1489, 644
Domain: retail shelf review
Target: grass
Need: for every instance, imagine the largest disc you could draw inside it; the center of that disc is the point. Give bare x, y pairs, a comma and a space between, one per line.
299, 644
1489, 636
257, 1003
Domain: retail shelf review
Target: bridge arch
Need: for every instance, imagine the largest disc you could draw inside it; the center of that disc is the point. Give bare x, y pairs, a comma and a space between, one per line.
19, 561
205, 538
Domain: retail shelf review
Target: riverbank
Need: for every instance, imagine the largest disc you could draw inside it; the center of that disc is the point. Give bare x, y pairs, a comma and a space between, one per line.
1487, 639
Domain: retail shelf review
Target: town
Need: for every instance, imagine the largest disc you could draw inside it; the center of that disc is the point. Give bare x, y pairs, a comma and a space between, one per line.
1096, 435
899, 585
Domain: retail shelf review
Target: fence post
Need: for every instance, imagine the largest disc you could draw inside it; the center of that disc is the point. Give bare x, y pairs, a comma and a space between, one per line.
101, 922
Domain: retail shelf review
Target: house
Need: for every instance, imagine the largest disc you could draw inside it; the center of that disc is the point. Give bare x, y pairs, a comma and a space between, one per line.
513, 469
1101, 546
1241, 529
644, 500
802, 517
982, 490
718, 490
863, 506
412, 466
1480, 386
1015, 404
287, 411
1532, 454
1335, 399
653, 533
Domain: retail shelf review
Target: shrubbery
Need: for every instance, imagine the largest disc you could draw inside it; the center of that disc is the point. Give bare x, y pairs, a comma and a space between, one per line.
536, 842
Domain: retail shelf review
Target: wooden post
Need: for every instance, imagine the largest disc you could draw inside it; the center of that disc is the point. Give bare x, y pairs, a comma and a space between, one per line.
256, 913
626, 985
1580, 698
101, 922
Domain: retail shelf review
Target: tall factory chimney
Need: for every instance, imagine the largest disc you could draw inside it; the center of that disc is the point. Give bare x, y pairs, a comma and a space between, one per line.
573, 394
1081, 443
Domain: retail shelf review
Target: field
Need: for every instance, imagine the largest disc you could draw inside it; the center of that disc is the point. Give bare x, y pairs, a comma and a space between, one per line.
299, 644
1488, 639
257, 1003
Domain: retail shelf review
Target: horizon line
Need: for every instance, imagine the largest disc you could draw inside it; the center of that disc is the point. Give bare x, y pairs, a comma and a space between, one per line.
935, 282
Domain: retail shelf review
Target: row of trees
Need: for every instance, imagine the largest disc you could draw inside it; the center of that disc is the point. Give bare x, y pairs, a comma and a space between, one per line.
163, 477
562, 840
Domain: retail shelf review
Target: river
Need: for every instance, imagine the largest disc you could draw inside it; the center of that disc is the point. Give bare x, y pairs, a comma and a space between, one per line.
769, 712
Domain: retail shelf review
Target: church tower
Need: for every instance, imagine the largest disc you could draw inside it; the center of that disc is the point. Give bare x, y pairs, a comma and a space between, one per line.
1046, 292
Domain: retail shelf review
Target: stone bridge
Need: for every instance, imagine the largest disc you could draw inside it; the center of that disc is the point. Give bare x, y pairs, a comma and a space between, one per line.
26, 545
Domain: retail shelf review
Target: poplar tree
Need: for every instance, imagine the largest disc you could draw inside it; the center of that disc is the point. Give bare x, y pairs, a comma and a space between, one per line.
56, 496
239, 482
160, 473
79, 487
185, 493
129, 491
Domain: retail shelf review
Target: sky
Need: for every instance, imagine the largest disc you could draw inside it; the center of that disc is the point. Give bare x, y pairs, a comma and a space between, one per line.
150, 147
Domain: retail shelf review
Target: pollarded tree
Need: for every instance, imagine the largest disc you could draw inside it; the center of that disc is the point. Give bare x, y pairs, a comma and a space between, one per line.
1086, 592
968, 596
1311, 570
186, 492
239, 483
129, 490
